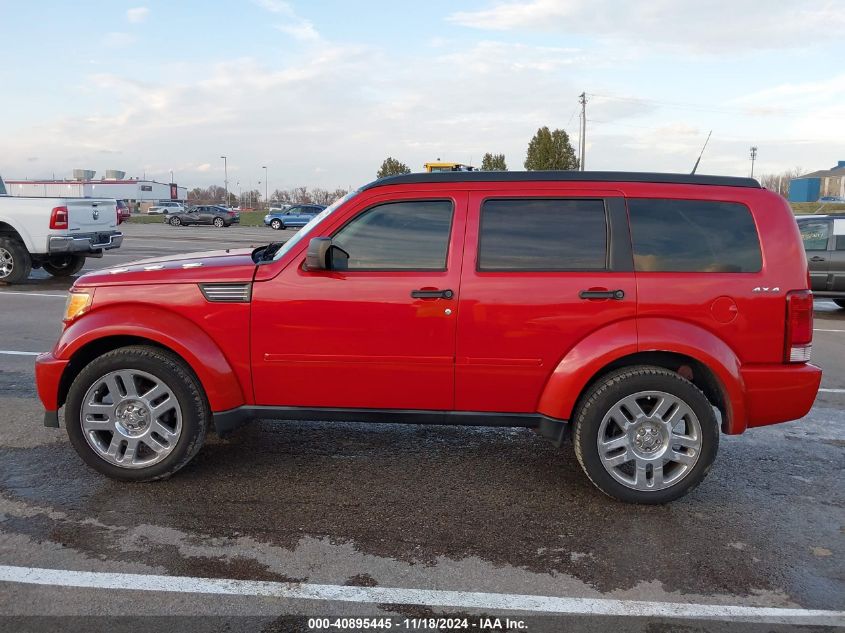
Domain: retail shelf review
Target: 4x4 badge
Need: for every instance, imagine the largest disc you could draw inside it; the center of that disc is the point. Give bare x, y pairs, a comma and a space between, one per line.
759, 289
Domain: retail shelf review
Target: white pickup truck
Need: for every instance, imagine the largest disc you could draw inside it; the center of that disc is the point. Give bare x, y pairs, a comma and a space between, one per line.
55, 234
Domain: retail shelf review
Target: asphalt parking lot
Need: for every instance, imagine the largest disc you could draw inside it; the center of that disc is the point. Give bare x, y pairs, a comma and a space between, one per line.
412, 521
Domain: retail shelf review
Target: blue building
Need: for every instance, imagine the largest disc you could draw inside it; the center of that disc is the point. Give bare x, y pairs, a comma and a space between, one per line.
828, 183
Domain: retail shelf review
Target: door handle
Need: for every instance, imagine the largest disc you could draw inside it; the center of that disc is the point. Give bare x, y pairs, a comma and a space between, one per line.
817, 259
432, 294
602, 294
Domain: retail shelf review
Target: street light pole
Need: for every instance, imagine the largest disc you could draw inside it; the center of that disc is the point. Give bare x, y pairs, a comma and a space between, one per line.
753, 158
266, 188
225, 179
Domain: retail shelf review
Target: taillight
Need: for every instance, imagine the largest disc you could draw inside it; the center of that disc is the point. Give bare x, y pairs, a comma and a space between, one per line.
799, 326
58, 218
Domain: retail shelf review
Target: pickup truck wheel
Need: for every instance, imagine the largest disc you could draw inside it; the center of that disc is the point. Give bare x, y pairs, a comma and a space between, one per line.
275, 225
15, 261
218, 222
645, 435
839, 302
137, 414
64, 265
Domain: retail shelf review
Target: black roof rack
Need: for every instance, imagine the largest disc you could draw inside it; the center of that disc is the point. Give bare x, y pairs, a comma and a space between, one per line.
563, 176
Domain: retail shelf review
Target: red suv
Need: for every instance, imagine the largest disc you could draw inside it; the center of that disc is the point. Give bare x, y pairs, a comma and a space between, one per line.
643, 313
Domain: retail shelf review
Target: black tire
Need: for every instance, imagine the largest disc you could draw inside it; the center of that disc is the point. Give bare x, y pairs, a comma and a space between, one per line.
839, 302
15, 261
276, 225
169, 368
219, 223
64, 265
175, 221
608, 391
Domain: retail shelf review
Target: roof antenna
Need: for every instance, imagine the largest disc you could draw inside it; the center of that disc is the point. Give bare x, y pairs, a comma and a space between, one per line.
698, 160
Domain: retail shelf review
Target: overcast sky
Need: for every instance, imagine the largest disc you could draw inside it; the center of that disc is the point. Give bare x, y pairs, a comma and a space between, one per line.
322, 91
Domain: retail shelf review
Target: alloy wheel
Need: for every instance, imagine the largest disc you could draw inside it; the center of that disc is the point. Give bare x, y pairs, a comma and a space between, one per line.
649, 440
131, 418
7, 263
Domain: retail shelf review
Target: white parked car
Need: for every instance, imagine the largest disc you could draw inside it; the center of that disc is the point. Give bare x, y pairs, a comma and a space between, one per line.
165, 207
55, 234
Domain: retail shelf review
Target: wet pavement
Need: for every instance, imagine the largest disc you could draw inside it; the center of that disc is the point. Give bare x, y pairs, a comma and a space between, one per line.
416, 507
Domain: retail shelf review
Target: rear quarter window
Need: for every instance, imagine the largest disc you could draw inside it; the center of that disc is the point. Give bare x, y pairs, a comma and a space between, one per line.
693, 236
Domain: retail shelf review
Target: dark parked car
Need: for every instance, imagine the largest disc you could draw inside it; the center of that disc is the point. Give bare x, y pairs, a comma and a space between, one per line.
205, 214
296, 216
824, 241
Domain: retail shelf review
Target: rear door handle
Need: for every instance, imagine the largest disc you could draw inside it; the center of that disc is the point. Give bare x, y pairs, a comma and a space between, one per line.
432, 294
817, 259
602, 294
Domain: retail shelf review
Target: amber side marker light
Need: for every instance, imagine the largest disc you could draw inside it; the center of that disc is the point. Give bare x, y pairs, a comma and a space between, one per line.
77, 304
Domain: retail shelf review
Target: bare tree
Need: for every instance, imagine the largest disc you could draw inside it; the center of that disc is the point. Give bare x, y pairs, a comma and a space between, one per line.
779, 183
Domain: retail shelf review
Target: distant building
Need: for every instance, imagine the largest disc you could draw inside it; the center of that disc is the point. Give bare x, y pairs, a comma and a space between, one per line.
83, 186
828, 183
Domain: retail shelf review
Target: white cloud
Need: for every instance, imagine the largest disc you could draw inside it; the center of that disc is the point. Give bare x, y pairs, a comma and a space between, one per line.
715, 27
295, 26
137, 14
302, 30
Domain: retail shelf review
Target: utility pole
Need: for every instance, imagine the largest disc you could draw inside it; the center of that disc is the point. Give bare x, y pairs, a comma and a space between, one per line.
753, 158
582, 146
266, 188
225, 179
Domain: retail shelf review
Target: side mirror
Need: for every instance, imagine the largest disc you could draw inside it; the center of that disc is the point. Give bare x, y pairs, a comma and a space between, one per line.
323, 255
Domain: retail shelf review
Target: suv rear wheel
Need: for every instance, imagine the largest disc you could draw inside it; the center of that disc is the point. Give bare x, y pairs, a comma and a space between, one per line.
137, 414
64, 265
645, 435
15, 262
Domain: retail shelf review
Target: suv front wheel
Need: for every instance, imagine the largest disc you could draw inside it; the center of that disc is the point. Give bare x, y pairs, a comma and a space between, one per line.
137, 414
645, 435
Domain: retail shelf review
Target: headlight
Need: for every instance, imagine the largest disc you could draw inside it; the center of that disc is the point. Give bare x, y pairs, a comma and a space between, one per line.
77, 304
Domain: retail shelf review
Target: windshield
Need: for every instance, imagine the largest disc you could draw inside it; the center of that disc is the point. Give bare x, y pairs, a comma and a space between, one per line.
2, 187
305, 230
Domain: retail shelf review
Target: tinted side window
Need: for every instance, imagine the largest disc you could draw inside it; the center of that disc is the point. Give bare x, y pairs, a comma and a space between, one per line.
815, 235
840, 242
693, 236
412, 235
542, 235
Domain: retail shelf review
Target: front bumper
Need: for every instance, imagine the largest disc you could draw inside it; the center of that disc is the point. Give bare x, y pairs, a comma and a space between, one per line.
48, 376
84, 242
779, 393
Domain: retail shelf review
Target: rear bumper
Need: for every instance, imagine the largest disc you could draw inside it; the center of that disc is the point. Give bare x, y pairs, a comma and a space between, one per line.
779, 393
84, 242
48, 376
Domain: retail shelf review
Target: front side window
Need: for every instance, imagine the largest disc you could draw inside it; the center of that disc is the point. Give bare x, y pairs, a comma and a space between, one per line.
815, 235
407, 235
693, 236
542, 235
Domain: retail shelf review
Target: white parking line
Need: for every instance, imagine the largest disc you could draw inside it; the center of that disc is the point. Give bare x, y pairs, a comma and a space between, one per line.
32, 294
820, 330
15, 353
428, 597
833, 390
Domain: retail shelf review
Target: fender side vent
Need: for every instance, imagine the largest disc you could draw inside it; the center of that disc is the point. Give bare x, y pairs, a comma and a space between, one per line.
227, 293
